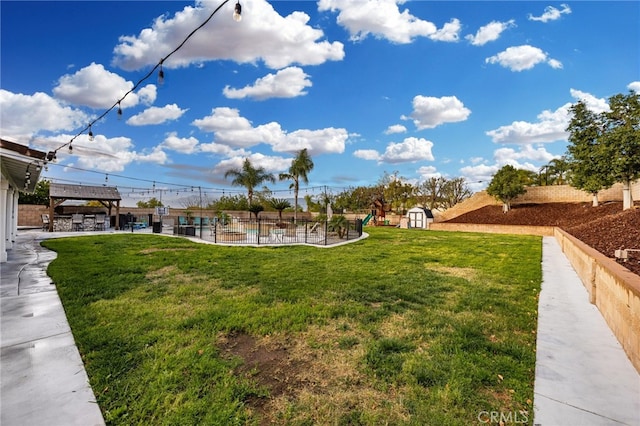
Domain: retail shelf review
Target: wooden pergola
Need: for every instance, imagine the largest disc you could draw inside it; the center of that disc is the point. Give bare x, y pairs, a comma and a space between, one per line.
108, 196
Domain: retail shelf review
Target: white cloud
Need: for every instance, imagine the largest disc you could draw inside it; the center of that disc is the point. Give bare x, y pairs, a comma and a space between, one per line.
635, 86
596, 105
408, 151
450, 32
271, 164
383, 19
263, 35
526, 152
156, 115
183, 145
287, 83
481, 174
550, 126
551, 13
236, 131
490, 32
24, 115
106, 154
367, 154
520, 58
428, 172
95, 87
395, 128
429, 112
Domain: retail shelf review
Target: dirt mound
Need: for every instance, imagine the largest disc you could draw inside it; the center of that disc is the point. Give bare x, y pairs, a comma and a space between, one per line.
606, 228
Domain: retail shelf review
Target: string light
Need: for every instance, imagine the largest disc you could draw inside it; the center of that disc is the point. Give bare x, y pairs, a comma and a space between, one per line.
119, 111
161, 74
236, 16
237, 12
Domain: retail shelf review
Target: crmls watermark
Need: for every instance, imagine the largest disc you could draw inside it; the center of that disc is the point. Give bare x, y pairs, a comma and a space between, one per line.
501, 417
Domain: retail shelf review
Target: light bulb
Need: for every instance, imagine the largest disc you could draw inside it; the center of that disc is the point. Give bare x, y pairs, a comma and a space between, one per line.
237, 13
70, 149
91, 138
161, 75
119, 112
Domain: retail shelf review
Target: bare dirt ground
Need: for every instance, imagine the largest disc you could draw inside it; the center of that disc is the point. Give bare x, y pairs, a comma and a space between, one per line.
606, 228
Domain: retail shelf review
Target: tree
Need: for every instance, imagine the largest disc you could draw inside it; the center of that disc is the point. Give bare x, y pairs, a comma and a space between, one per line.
256, 209
230, 202
301, 165
249, 177
621, 136
453, 192
312, 205
430, 192
506, 185
559, 168
151, 204
279, 204
588, 156
397, 193
39, 196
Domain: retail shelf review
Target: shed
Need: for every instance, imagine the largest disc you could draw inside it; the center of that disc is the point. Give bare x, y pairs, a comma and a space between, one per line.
419, 217
108, 196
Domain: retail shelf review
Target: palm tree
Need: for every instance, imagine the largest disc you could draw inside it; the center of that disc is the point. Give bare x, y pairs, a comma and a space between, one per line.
279, 204
301, 165
559, 167
249, 177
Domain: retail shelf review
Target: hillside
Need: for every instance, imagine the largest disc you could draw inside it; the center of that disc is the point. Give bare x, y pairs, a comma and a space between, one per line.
606, 228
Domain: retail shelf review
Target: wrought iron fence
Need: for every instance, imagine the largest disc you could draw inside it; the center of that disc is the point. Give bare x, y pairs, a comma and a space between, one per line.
270, 231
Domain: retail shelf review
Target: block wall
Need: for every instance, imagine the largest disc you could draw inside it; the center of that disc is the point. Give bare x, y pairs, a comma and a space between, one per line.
612, 288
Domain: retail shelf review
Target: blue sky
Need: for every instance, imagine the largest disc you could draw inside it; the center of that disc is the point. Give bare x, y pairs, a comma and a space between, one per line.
421, 88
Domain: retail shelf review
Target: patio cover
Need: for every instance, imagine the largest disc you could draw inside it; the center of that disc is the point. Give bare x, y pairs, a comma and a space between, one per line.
108, 196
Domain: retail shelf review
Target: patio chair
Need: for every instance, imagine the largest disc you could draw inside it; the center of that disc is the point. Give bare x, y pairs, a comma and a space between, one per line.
45, 222
100, 222
77, 222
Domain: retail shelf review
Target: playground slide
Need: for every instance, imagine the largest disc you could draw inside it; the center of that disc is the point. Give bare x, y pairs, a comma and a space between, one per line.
367, 219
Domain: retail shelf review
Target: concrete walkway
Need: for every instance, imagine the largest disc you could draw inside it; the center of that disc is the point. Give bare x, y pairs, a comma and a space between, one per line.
583, 376
42, 377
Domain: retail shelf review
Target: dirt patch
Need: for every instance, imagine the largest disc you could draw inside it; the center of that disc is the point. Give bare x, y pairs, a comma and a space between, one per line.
270, 366
606, 228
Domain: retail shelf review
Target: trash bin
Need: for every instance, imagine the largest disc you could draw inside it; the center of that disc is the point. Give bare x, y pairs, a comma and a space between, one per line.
190, 231
157, 227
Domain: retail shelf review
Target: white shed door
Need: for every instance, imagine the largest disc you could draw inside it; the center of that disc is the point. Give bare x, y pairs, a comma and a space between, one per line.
416, 220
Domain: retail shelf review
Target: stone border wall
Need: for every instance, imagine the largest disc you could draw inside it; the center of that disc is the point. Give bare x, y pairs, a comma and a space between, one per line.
611, 287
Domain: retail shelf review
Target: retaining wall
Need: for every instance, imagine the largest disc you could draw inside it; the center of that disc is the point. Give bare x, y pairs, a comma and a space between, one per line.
612, 288
493, 229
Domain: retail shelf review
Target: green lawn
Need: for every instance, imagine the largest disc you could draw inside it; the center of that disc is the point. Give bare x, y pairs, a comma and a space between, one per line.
405, 327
